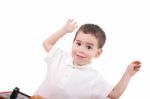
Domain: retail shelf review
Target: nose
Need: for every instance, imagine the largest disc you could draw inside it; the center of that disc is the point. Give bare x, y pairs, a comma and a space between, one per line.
81, 49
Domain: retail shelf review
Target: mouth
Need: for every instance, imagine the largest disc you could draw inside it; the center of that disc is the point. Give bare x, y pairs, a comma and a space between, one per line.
80, 56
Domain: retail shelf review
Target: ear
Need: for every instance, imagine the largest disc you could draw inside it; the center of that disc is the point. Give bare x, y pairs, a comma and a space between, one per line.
98, 52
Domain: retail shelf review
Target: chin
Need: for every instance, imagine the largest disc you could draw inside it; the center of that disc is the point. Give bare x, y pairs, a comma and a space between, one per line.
80, 63
77, 63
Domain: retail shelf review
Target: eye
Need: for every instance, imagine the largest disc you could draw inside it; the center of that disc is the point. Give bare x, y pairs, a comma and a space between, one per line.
78, 43
89, 47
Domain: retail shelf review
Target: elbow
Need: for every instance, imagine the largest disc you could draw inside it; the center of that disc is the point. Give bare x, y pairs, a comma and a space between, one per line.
44, 44
113, 95
47, 46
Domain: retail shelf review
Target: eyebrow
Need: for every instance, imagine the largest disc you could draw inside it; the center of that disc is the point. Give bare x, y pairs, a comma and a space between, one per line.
87, 43
78, 40
91, 44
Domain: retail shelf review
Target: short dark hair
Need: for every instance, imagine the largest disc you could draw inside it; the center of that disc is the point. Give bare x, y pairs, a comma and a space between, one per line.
95, 31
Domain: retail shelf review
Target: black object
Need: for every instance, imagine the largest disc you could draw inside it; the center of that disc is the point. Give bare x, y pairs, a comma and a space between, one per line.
15, 93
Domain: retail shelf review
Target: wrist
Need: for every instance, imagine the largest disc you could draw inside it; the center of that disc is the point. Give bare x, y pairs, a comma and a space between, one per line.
64, 30
127, 74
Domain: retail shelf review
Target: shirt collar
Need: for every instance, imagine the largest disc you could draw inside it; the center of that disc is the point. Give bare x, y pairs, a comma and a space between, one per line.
69, 62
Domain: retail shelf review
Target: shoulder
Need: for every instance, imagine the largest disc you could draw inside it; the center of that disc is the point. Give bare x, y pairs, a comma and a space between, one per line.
56, 53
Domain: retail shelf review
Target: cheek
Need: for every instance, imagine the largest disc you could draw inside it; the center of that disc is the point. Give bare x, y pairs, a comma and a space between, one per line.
91, 54
73, 50
88, 54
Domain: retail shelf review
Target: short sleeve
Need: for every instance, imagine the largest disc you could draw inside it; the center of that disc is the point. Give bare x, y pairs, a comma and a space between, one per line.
101, 88
55, 58
54, 54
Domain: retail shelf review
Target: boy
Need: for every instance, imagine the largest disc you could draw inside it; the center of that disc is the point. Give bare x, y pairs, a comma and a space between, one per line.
72, 76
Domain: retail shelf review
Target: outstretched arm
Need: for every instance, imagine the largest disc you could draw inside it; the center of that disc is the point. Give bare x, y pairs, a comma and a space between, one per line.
118, 90
69, 26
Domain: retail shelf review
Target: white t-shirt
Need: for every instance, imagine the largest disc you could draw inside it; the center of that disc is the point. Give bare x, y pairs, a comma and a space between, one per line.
67, 81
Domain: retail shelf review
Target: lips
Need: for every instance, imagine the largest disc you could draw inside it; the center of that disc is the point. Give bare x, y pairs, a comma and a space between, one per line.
80, 56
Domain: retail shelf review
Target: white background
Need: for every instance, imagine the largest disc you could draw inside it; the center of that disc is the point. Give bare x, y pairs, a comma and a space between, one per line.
24, 24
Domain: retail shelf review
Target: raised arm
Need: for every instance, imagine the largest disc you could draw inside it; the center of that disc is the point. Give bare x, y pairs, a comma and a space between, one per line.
118, 90
69, 26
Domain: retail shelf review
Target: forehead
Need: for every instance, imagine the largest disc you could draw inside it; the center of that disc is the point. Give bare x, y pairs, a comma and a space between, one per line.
88, 38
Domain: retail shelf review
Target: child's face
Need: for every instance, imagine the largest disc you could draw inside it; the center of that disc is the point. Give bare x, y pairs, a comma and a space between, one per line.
85, 47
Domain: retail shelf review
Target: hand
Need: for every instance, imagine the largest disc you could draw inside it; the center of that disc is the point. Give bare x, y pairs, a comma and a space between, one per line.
37, 97
134, 67
70, 26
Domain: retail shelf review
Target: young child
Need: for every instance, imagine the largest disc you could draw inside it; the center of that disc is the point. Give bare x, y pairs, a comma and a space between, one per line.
72, 76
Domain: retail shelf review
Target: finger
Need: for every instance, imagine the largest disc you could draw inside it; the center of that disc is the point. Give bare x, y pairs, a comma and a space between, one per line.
137, 67
136, 62
70, 20
74, 23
